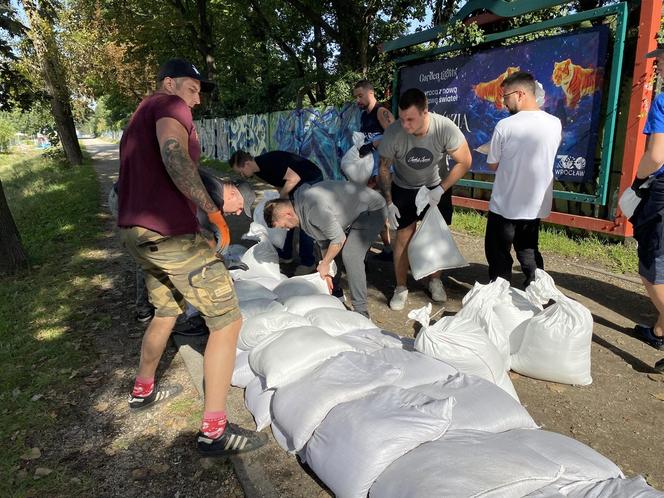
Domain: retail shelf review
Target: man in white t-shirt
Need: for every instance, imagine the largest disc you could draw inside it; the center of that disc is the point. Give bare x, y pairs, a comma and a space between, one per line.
417, 144
522, 152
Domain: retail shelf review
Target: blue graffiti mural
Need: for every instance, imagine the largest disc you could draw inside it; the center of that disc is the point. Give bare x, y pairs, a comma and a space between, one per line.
322, 135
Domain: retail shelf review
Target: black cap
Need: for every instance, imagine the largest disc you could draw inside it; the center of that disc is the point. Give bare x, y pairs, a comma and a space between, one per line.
180, 68
657, 52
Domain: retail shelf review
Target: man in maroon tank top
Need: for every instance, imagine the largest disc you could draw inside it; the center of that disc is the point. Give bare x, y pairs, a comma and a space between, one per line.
161, 192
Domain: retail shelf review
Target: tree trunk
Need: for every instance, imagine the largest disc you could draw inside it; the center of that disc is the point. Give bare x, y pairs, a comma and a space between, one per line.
43, 39
12, 255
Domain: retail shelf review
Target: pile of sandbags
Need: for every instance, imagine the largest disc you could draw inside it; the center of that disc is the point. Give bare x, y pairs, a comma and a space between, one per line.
371, 417
500, 328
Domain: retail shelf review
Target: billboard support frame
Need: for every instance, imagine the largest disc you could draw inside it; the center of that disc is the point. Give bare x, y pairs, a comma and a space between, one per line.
621, 12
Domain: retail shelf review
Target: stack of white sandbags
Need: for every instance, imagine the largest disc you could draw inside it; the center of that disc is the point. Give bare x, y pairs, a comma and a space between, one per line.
500, 328
369, 416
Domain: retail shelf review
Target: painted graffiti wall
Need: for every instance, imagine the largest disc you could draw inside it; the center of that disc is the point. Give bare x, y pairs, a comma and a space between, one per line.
322, 135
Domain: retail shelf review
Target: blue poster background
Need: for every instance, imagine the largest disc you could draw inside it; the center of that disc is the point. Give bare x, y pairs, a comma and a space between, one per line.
570, 67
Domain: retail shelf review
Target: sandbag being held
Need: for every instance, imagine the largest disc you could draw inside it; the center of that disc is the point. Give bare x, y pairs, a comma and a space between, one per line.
432, 248
357, 169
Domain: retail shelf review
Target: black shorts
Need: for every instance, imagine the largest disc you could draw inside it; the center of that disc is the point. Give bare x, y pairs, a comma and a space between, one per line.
404, 200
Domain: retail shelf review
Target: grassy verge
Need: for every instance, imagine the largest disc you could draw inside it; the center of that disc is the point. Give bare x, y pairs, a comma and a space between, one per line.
614, 254
43, 313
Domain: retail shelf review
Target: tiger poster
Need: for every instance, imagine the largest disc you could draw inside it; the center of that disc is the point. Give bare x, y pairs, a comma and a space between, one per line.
571, 70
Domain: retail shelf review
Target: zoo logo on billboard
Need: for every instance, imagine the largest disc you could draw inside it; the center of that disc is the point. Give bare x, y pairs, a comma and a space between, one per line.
570, 166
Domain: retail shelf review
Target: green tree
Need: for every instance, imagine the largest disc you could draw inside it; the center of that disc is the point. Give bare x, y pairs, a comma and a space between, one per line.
42, 35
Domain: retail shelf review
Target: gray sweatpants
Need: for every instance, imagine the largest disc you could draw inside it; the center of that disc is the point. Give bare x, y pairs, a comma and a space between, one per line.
363, 231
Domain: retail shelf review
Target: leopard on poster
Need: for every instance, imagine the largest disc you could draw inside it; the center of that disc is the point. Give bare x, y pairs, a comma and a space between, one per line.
571, 69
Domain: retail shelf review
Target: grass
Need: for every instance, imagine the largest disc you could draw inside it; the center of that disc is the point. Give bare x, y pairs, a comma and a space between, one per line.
614, 254
43, 312
216, 165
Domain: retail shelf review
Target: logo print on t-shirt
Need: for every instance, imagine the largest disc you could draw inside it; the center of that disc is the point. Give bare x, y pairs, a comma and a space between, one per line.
419, 158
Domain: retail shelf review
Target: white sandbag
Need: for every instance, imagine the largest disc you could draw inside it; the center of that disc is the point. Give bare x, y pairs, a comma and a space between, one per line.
259, 327
635, 487
293, 354
258, 306
432, 248
302, 285
581, 462
466, 464
257, 402
479, 308
301, 406
463, 344
301, 305
557, 341
280, 438
246, 290
262, 261
336, 321
277, 236
371, 340
268, 282
359, 439
242, 373
416, 368
357, 169
501, 310
480, 404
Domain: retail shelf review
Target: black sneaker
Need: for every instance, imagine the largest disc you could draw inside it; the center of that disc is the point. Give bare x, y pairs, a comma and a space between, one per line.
659, 366
144, 316
365, 313
233, 441
647, 335
159, 394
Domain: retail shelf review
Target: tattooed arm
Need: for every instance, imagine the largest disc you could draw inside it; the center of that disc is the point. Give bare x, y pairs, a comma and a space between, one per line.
385, 179
173, 143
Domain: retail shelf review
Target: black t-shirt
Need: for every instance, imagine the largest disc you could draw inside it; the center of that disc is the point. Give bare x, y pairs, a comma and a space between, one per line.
273, 165
369, 123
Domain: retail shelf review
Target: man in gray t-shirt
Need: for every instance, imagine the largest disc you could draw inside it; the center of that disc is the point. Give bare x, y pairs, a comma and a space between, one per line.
344, 218
418, 145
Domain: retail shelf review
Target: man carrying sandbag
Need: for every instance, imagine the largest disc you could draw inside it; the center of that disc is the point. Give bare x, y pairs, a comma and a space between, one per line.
344, 218
160, 190
418, 144
521, 152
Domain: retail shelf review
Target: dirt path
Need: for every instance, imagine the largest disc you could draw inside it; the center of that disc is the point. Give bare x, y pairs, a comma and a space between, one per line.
153, 454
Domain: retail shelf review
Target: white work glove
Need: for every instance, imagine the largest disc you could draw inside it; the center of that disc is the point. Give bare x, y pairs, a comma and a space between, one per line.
435, 195
392, 215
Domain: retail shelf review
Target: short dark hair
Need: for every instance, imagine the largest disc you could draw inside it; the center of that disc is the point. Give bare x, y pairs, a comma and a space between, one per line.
366, 84
239, 157
413, 97
269, 209
520, 78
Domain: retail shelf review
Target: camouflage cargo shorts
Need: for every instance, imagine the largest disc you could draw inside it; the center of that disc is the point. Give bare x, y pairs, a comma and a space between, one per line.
183, 267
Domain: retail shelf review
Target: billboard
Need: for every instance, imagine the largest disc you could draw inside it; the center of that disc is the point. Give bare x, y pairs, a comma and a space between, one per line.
570, 68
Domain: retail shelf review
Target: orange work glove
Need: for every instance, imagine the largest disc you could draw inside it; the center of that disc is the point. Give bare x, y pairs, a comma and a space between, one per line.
223, 234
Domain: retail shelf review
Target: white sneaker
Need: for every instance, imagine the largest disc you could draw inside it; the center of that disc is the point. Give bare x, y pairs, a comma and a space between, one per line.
304, 270
437, 290
398, 301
